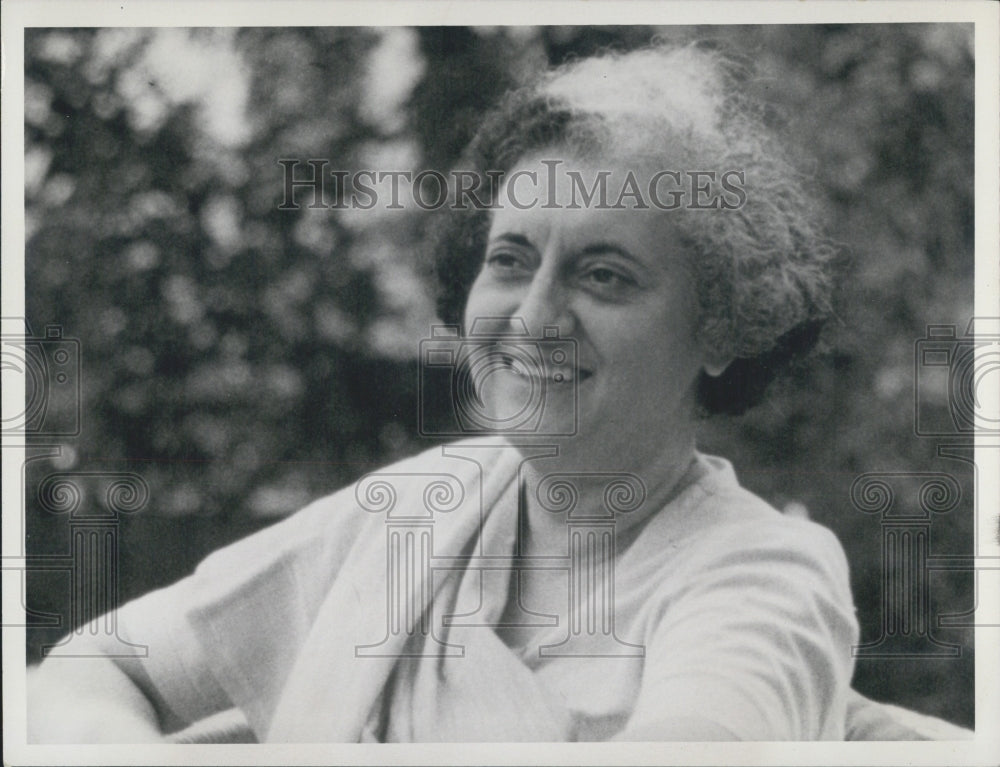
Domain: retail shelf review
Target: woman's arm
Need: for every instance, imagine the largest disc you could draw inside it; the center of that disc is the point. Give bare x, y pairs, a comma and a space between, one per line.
755, 641
222, 638
678, 729
88, 700
102, 695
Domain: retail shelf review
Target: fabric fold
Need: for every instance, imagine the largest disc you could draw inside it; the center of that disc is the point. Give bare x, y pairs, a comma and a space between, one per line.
486, 693
334, 689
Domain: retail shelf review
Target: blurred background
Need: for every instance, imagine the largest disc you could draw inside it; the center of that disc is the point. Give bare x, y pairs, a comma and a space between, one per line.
243, 359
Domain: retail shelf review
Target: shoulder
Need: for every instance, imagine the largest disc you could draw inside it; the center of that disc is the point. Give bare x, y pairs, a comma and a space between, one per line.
251, 605
729, 548
755, 606
456, 464
315, 540
733, 525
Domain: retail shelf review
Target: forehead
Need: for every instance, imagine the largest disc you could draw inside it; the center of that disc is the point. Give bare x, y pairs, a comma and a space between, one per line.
552, 193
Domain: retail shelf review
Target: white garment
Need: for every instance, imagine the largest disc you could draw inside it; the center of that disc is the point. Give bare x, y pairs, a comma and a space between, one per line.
744, 616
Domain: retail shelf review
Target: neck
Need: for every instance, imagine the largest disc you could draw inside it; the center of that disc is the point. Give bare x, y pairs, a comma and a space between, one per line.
663, 474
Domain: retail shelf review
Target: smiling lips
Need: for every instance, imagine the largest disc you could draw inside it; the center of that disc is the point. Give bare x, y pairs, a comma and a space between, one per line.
554, 375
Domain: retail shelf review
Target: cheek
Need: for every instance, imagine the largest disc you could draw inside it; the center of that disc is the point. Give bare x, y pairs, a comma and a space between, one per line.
659, 347
476, 302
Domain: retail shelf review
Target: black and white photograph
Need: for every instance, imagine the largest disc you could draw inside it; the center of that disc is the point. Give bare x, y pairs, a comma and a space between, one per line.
603, 385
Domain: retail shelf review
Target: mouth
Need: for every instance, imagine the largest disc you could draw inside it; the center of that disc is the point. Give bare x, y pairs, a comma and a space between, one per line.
551, 375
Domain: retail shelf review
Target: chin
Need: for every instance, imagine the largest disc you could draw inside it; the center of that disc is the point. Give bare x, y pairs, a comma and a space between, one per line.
573, 453
548, 421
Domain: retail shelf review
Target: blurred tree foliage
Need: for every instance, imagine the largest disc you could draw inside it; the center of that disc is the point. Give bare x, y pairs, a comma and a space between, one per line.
244, 359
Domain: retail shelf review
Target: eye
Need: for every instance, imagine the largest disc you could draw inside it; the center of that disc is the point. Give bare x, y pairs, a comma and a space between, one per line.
607, 280
507, 264
604, 276
502, 260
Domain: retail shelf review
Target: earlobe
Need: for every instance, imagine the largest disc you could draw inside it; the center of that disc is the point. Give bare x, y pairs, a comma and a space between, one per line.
716, 365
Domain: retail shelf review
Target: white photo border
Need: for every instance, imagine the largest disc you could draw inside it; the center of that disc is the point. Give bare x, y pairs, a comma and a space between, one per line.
22, 14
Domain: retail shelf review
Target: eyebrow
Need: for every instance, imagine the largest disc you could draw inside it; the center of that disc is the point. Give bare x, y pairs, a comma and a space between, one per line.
609, 247
514, 239
596, 247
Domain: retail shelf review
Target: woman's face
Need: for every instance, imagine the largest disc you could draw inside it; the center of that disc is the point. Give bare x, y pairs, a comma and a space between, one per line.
616, 281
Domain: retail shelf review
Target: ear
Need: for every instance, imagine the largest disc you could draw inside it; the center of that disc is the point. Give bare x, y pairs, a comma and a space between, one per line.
715, 364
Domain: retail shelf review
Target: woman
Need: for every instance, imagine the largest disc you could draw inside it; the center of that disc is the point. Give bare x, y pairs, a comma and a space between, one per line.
591, 577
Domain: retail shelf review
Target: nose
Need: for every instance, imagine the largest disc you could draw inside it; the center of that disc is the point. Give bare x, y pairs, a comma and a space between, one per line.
544, 303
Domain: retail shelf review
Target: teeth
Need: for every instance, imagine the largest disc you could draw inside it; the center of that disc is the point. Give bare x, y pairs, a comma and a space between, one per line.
554, 377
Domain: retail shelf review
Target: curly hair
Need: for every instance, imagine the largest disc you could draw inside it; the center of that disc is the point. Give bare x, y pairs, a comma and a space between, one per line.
763, 270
